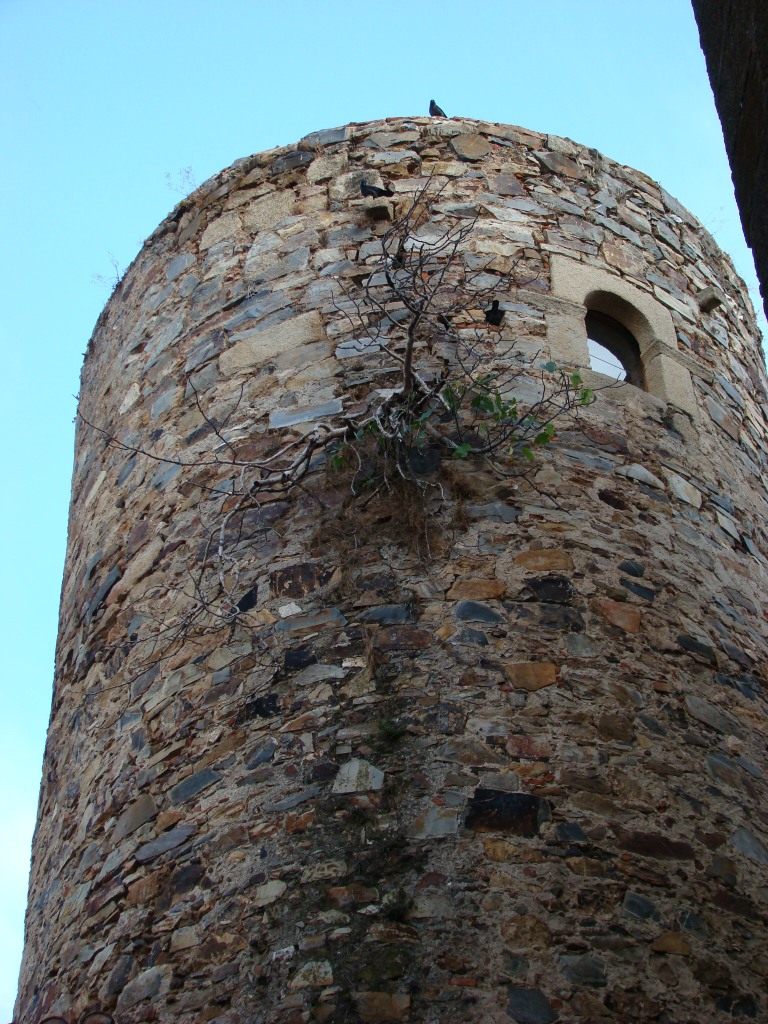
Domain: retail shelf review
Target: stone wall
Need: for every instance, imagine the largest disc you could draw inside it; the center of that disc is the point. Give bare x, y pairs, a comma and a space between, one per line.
734, 38
516, 774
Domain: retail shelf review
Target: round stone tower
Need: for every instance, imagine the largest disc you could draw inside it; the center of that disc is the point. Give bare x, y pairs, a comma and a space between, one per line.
472, 739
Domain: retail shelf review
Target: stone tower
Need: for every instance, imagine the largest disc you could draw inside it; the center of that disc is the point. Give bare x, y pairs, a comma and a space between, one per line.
489, 748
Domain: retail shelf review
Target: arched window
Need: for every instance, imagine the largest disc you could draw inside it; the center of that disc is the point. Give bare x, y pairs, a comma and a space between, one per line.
613, 349
601, 316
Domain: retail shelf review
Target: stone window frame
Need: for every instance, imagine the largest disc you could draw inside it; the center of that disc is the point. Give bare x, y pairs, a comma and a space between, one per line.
581, 288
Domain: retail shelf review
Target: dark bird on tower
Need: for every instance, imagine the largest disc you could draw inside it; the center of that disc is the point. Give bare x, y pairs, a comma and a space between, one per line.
494, 315
373, 191
435, 111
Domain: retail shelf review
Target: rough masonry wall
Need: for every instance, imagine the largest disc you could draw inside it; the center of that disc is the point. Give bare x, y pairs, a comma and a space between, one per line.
517, 777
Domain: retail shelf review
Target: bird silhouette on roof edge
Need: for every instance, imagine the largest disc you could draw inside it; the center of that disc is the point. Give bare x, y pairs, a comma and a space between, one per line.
435, 111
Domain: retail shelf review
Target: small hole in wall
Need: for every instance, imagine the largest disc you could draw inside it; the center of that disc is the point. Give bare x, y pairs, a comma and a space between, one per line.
613, 350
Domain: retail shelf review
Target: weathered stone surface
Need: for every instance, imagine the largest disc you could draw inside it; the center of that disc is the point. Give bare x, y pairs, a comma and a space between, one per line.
583, 970
493, 810
315, 974
529, 1006
551, 589
683, 489
468, 751
743, 841
672, 942
167, 841
269, 893
358, 776
625, 616
723, 418
641, 474
653, 844
470, 147
560, 165
147, 987
705, 712
287, 418
193, 785
531, 675
545, 560
134, 816
258, 345
476, 589
473, 611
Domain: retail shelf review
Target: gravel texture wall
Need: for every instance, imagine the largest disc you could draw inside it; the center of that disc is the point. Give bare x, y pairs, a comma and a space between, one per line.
493, 758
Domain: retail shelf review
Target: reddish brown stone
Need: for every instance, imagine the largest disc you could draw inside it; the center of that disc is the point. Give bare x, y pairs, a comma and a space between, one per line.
672, 942
544, 559
475, 589
351, 895
531, 675
652, 844
298, 822
618, 613
529, 747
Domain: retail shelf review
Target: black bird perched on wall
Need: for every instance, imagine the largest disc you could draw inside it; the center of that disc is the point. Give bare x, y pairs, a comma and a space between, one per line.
373, 191
435, 111
494, 315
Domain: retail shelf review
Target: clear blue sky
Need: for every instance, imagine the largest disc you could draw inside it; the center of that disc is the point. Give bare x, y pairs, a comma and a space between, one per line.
101, 100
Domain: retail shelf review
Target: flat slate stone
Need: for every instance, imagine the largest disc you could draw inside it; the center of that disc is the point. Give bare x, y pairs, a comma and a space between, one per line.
495, 810
554, 589
134, 816
318, 674
712, 716
493, 510
292, 160
632, 568
167, 841
387, 614
263, 753
641, 475
313, 620
473, 611
470, 637
653, 844
193, 785
571, 832
583, 970
327, 137
561, 165
295, 800
638, 906
529, 1006
743, 841
305, 415
507, 185
144, 988
470, 147
635, 588
435, 822
358, 776
178, 265
693, 646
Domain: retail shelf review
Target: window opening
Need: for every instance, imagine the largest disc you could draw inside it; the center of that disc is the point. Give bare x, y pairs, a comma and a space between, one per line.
613, 350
